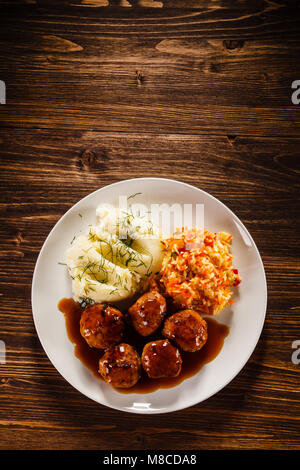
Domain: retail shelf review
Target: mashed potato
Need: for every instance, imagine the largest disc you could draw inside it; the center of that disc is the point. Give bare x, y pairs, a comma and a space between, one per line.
105, 266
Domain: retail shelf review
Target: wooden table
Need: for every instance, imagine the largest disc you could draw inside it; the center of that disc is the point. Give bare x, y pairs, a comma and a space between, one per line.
97, 93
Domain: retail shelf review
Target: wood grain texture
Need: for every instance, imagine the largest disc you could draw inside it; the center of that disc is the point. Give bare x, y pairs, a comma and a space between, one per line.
102, 91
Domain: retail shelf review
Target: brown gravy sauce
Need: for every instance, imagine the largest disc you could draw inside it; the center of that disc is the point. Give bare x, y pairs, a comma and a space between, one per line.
192, 362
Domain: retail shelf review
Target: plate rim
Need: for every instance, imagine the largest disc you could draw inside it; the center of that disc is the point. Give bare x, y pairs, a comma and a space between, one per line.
193, 402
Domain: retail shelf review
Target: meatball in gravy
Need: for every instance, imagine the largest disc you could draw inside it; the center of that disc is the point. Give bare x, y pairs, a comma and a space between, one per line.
187, 329
101, 326
147, 313
120, 366
161, 359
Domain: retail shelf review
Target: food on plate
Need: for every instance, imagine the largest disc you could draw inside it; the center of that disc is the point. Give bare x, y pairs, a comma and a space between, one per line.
197, 271
148, 312
187, 329
120, 366
101, 325
107, 267
122, 257
161, 359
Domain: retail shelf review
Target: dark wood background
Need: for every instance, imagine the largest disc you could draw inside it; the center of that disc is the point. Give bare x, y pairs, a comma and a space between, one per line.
99, 91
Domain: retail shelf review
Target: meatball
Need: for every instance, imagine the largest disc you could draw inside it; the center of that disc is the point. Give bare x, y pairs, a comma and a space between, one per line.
147, 313
101, 326
187, 329
161, 359
120, 366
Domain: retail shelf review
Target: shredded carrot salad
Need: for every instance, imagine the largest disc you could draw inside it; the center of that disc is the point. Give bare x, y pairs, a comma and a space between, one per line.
197, 270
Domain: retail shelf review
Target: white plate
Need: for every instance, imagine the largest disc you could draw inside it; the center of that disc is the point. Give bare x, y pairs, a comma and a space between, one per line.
245, 318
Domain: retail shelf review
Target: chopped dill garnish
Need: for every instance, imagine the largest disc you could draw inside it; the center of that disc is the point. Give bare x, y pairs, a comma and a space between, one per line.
109, 253
140, 264
128, 261
62, 264
128, 242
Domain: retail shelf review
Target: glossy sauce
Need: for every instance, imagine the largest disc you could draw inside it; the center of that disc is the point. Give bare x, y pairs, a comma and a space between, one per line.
192, 361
